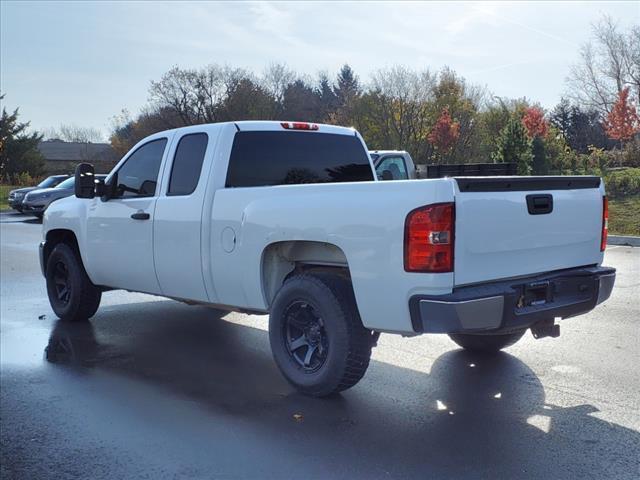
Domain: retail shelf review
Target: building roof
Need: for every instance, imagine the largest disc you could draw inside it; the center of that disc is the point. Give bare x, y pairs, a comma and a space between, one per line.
57, 150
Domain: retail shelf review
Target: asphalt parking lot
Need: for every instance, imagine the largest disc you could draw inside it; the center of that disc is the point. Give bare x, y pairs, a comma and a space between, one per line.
152, 388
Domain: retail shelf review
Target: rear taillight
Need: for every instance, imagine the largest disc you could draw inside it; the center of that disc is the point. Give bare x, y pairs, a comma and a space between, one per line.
429, 239
299, 126
605, 224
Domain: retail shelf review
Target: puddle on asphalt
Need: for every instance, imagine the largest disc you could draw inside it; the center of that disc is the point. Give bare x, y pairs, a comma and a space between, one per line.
73, 344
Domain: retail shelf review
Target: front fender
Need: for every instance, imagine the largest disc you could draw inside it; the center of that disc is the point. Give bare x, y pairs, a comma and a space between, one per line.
69, 214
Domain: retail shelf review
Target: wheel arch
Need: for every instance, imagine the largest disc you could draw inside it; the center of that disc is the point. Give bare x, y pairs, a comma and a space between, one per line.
280, 260
55, 237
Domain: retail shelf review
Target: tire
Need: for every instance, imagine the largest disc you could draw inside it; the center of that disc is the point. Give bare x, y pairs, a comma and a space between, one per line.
39, 216
71, 294
19, 209
325, 306
492, 343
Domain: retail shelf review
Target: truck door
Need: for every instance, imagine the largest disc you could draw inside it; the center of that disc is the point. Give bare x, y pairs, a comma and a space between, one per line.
178, 220
120, 230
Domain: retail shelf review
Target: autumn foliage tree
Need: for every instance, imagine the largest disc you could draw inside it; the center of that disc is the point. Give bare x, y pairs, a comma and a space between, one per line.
534, 122
445, 132
622, 122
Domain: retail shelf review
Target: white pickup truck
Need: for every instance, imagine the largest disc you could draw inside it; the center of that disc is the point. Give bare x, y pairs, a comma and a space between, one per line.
287, 218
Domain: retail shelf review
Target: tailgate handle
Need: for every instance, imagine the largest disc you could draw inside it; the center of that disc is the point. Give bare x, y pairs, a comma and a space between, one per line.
539, 204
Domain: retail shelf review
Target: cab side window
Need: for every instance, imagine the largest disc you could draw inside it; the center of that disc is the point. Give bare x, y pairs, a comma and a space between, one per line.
392, 168
138, 176
187, 164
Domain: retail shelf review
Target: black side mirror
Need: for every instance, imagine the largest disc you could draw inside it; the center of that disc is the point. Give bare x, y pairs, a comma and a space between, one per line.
107, 190
101, 188
148, 188
85, 185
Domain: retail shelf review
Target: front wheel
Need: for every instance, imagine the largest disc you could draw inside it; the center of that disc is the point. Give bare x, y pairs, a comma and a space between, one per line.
71, 294
491, 343
316, 335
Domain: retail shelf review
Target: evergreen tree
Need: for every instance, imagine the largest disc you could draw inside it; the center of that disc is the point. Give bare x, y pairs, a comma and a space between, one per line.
580, 128
301, 102
513, 146
540, 164
347, 86
328, 100
18, 149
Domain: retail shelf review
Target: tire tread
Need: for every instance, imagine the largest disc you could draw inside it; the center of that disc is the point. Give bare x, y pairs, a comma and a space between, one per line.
90, 295
358, 338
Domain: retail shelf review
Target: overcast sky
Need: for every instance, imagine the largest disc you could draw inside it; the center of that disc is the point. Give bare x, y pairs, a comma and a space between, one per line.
83, 62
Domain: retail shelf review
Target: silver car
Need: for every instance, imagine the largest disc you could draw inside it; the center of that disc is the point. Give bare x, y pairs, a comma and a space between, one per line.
17, 196
37, 201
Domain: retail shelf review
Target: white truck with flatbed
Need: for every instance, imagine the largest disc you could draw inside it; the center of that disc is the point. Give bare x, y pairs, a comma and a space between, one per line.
287, 218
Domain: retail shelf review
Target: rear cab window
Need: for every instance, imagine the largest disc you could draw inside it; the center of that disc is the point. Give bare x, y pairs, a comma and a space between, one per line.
267, 158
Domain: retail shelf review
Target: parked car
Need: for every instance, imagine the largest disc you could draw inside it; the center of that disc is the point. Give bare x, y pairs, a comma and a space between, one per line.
289, 219
17, 196
393, 164
37, 201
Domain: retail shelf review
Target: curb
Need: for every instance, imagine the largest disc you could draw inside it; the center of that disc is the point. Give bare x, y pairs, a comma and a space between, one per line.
623, 240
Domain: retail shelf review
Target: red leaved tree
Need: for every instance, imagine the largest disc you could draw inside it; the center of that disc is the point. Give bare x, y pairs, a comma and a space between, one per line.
445, 132
534, 122
622, 122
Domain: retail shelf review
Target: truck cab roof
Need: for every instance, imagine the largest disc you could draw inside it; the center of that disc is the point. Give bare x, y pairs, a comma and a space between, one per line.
270, 125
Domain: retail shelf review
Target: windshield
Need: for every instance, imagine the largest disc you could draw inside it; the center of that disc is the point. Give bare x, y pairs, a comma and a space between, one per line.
49, 182
68, 183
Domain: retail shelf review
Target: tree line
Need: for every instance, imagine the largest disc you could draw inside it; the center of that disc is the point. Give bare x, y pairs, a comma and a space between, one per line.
438, 116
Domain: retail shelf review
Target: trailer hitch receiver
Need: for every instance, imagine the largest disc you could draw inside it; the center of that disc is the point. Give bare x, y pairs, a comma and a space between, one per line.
545, 328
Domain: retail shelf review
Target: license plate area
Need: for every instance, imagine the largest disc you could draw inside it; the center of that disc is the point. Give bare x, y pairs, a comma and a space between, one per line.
537, 293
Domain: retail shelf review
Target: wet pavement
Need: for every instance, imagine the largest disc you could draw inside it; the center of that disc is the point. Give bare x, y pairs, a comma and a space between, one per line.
152, 388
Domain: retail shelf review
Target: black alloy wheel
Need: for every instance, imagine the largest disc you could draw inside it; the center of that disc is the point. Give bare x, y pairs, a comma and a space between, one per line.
61, 281
305, 336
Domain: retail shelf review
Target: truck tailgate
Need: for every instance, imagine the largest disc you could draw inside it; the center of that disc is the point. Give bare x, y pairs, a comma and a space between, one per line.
512, 226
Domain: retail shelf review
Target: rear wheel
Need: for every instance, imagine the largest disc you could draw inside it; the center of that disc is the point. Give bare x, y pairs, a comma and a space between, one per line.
486, 343
316, 335
71, 294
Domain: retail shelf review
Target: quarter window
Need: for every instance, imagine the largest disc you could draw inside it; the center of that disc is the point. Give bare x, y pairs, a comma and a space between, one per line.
138, 175
187, 164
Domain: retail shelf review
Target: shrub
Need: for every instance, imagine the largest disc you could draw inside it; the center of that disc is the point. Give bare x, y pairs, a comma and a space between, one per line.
630, 155
22, 179
622, 183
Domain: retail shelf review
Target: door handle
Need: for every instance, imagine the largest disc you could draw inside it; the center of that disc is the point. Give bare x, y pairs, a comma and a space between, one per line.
539, 204
140, 215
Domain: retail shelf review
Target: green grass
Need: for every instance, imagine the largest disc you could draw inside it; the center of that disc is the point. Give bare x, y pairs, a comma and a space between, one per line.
4, 194
624, 215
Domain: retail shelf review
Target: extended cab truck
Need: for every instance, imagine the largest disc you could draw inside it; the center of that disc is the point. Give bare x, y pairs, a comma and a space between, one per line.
288, 219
